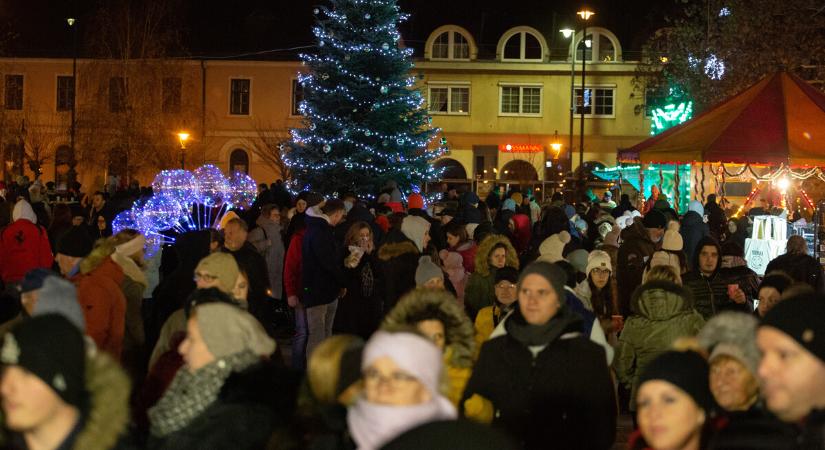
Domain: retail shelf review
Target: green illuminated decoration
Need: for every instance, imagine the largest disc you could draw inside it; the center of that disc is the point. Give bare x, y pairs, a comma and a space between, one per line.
670, 115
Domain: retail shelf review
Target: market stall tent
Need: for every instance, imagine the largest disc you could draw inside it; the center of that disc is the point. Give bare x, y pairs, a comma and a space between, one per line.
779, 120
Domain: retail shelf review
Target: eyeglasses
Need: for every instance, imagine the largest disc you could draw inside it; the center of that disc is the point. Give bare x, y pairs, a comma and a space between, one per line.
205, 277
395, 379
505, 286
599, 271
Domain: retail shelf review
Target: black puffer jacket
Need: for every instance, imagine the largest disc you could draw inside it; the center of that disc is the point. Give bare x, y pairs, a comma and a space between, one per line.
800, 267
710, 293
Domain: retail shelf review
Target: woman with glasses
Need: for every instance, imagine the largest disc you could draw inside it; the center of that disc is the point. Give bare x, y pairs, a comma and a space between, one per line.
490, 316
598, 293
402, 373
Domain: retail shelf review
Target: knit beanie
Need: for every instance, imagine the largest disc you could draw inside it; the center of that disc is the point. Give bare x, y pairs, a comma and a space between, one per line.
53, 349
59, 296
415, 201
34, 280
551, 272
598, 259
227, 330
75, 242
506, 273
663, 258
509, 205
780, 282
552, 248
414, 228
654, 219
578, 259
673, 239
223, 266
426, 271
801, 319
412, 353
733, 334
686, 370
697, 207
517, 198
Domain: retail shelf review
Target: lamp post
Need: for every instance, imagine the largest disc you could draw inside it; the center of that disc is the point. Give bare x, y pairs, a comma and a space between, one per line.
569, 33
183, 137
585, 14
71, 21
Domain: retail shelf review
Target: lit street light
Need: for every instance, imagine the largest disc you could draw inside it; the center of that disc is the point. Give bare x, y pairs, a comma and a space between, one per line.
585, 15
183, 137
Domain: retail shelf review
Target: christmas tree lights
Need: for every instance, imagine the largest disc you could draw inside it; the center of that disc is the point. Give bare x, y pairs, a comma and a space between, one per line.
364, 122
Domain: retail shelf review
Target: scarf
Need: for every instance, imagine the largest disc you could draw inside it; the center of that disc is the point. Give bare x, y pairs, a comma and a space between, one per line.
373, 425
190, 394
539, 335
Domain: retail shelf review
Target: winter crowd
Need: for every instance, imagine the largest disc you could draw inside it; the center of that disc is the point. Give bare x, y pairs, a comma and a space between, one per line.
340, 323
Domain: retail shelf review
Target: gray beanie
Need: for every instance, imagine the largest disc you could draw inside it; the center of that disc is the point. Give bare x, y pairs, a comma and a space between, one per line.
552, 273
426, 271
732, 334
58, 296
227, 330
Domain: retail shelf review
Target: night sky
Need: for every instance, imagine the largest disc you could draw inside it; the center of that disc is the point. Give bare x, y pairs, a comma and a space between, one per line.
225, 28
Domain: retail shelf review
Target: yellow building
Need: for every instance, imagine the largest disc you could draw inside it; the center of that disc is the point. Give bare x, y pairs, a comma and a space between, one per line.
500, 116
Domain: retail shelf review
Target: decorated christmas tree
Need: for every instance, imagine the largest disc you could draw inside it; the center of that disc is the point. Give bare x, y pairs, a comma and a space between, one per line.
364, 122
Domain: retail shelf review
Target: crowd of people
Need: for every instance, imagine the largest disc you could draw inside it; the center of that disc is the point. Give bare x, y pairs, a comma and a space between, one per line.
395, 323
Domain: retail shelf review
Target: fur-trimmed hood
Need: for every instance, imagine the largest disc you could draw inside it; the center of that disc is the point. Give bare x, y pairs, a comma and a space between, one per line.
392, 250
425, 304
484, 249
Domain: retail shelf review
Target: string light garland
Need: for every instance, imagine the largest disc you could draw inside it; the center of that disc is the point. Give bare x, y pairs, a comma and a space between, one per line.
748, 201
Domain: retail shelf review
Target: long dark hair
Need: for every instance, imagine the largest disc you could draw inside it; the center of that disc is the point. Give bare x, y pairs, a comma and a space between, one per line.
602, 299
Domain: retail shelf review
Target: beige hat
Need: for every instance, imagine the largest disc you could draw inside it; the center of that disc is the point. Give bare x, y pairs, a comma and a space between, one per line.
227, 330
222, 266
598, 259
552, 248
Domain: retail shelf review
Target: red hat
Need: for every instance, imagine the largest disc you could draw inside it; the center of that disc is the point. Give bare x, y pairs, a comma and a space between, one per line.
396, 207
415, 201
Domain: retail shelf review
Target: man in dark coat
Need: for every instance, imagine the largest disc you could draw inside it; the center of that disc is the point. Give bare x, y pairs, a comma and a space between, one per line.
798, 264
322, 270
717, 221
708, 286
641, 239
235, 235
624, 205
693, 228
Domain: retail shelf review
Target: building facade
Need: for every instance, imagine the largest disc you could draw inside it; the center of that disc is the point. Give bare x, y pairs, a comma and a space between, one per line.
502, 118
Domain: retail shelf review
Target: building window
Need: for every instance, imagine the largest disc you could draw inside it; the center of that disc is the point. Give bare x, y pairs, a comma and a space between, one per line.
522, 45
297, 97
117, 94
449, 100
171, 94
14, 92
239, 161
451, 45
521, 100
65, 93
239, 99
597, 102
586, 47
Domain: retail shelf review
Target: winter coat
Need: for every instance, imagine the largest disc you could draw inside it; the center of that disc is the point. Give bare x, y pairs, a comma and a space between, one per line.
754, 429
717, 222
693, 229
267, 241
662, 312
24, 245
104, 305
258, 299
738, 273
359, 311
458, 330
480, 290
467, 251
555, 396
522, 232
710, 293
635, 251
397, 262
322, 268
249, 406
292, 265
134, 338
800, 267
487, 320
591, 325
437, 236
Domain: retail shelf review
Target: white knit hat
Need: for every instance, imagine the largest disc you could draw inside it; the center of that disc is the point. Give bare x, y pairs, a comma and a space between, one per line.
662, 258
552, 248
673, 239
598, 259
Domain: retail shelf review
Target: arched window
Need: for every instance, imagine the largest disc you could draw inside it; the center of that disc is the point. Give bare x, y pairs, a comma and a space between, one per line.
450, 42
519, 170
239, 161
453, 170
603, 46
522, 44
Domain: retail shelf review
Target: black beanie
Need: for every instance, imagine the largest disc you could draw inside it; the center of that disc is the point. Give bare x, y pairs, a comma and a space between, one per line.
686, 370
506, 273
801, 318
75, 242
53, 349
778, 281
551, 272
654, 219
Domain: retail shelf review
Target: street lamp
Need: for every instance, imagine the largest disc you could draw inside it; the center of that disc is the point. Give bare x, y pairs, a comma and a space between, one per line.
569, 33
71, 21
585, 14
556, 145
183, 137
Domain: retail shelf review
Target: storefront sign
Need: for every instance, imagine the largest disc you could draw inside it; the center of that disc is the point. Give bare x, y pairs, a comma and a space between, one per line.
520, 148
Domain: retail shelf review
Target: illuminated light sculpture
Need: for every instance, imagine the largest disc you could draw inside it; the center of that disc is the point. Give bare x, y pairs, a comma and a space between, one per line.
180, 185
670, 115
125, 220
212, 184
242, 190
158, 214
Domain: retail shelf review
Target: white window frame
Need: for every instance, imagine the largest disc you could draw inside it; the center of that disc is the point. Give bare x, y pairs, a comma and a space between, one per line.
449, 85
451, 46
521, 87
522, 35
593, 87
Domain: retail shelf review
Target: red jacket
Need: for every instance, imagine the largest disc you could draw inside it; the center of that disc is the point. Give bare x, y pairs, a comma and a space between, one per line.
23, 246
467, 251
104, 305
292, 265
